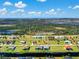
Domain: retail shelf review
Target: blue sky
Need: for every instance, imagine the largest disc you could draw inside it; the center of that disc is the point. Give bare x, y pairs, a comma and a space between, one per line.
39, 8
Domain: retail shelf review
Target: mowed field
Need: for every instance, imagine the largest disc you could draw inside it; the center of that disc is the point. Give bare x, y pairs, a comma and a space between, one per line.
29, 43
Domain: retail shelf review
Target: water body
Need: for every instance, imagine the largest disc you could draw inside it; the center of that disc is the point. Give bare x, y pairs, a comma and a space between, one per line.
7, 31
21, 57
50, 58
25, 58
67, 57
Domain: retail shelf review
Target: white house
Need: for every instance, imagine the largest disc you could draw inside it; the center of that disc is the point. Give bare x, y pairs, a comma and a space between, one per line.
59, 37
38, 37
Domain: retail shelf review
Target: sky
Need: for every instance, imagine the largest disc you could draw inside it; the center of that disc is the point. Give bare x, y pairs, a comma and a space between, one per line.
39, 8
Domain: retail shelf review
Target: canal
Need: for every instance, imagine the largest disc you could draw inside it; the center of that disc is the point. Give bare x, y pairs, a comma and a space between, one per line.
63, 57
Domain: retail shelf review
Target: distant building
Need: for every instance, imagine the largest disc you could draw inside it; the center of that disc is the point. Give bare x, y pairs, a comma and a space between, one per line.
59, 37
42, 35
38, 37
45, 33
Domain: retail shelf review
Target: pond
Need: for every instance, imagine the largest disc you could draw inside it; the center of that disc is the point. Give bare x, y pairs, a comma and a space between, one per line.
26, 58
7, 31
67, 57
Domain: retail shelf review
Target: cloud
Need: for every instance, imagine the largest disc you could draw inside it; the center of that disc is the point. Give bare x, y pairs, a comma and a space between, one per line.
3, 11
42, 0
18, 11
34, 13
57, 11
74, 7
51, 12
69, 6
20, 4
7, 3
